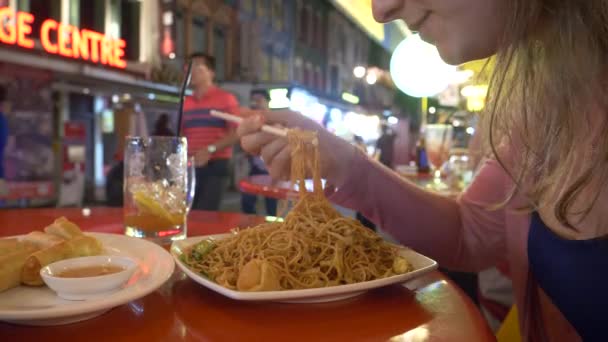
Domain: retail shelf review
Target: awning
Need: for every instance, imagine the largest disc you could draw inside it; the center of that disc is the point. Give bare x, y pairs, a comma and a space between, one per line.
75, 76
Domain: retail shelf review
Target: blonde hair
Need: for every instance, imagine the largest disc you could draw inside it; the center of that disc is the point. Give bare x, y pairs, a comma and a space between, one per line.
546, 89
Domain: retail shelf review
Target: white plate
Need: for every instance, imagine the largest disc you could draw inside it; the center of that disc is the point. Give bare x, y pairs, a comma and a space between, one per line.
41, 306
421, 264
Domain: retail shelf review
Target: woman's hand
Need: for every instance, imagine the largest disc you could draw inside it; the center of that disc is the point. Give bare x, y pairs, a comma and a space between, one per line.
336, 153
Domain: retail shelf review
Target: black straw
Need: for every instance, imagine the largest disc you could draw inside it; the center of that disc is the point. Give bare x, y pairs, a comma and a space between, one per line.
182, 96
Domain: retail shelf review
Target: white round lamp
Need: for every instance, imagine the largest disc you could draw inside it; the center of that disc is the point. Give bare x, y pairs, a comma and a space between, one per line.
418, 70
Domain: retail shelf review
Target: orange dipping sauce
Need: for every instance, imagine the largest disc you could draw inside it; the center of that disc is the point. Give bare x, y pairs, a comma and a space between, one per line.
90, 271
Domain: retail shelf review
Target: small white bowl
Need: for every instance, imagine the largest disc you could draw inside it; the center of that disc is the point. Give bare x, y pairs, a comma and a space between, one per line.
87, 287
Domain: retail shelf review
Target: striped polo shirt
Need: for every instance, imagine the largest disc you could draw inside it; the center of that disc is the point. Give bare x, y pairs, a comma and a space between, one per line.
201, 128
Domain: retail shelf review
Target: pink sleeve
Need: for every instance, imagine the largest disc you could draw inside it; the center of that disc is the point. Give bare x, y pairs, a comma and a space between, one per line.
460, 234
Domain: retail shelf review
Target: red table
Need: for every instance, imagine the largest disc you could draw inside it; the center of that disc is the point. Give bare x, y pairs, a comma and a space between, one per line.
431, 308
265, 186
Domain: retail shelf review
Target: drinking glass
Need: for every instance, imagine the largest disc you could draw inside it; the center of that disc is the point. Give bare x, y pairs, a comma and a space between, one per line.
159, 186
438, 139
459, 170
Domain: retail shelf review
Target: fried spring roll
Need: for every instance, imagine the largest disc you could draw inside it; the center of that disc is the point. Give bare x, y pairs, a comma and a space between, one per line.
8, 246
42, 240
12, 264
78, 247
63, 228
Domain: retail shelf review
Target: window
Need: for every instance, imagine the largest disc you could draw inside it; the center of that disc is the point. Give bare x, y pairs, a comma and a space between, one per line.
272, 65
308, 75
261, 7
277, 15
246, 6
276, 69
298, 19
285, 71
198, 38
320, 33
180, 44
303, 24
115, 18
319, 82
23, 5
334, 79
343, 44
219, 52
92, 16
298, 70
265, 66
41, 9
74, 8
129, 28
310, 35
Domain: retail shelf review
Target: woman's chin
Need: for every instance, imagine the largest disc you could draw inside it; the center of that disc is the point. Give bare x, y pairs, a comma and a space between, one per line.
450, 55
455, 56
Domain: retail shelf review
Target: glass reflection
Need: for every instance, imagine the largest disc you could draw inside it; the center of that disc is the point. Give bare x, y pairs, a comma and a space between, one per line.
417, 335
137, 308
273, 219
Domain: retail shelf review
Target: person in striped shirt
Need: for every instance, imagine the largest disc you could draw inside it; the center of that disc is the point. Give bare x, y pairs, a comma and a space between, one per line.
210, 139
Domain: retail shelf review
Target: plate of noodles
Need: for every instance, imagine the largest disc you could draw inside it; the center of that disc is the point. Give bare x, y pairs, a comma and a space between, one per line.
314, 255
264, 279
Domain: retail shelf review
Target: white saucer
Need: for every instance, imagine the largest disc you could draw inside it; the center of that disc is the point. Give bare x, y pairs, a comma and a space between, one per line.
41, 306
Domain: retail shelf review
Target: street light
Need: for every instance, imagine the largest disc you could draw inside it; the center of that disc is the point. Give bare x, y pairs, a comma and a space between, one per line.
371, 78
417, 68
359, 71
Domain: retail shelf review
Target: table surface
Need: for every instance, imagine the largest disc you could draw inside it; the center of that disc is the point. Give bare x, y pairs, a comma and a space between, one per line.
265, 186
429, 308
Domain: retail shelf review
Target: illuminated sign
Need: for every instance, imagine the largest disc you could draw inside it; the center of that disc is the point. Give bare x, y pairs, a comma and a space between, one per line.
348, 97
62, 39
476, 96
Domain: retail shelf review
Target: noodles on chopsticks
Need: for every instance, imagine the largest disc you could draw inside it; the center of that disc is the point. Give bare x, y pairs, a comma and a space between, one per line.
314, 247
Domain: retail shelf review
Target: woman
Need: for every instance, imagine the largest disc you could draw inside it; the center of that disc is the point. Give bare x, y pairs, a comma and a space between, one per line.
540, 201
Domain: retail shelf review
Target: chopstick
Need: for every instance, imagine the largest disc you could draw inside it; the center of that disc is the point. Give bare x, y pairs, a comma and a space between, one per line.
237, 119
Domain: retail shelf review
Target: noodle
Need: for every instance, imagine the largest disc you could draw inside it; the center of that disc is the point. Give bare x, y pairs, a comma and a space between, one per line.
314, 247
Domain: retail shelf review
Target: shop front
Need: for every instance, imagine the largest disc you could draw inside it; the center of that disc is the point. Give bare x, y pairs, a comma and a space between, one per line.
58, 76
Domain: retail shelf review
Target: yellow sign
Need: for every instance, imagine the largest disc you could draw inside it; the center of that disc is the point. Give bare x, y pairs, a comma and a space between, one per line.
475, 96
348, 97
361, 12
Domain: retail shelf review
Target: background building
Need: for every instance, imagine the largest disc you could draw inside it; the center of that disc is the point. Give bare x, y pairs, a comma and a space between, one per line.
58, 84
350, 48
267, 33
310, 50
303, 51
208, 26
